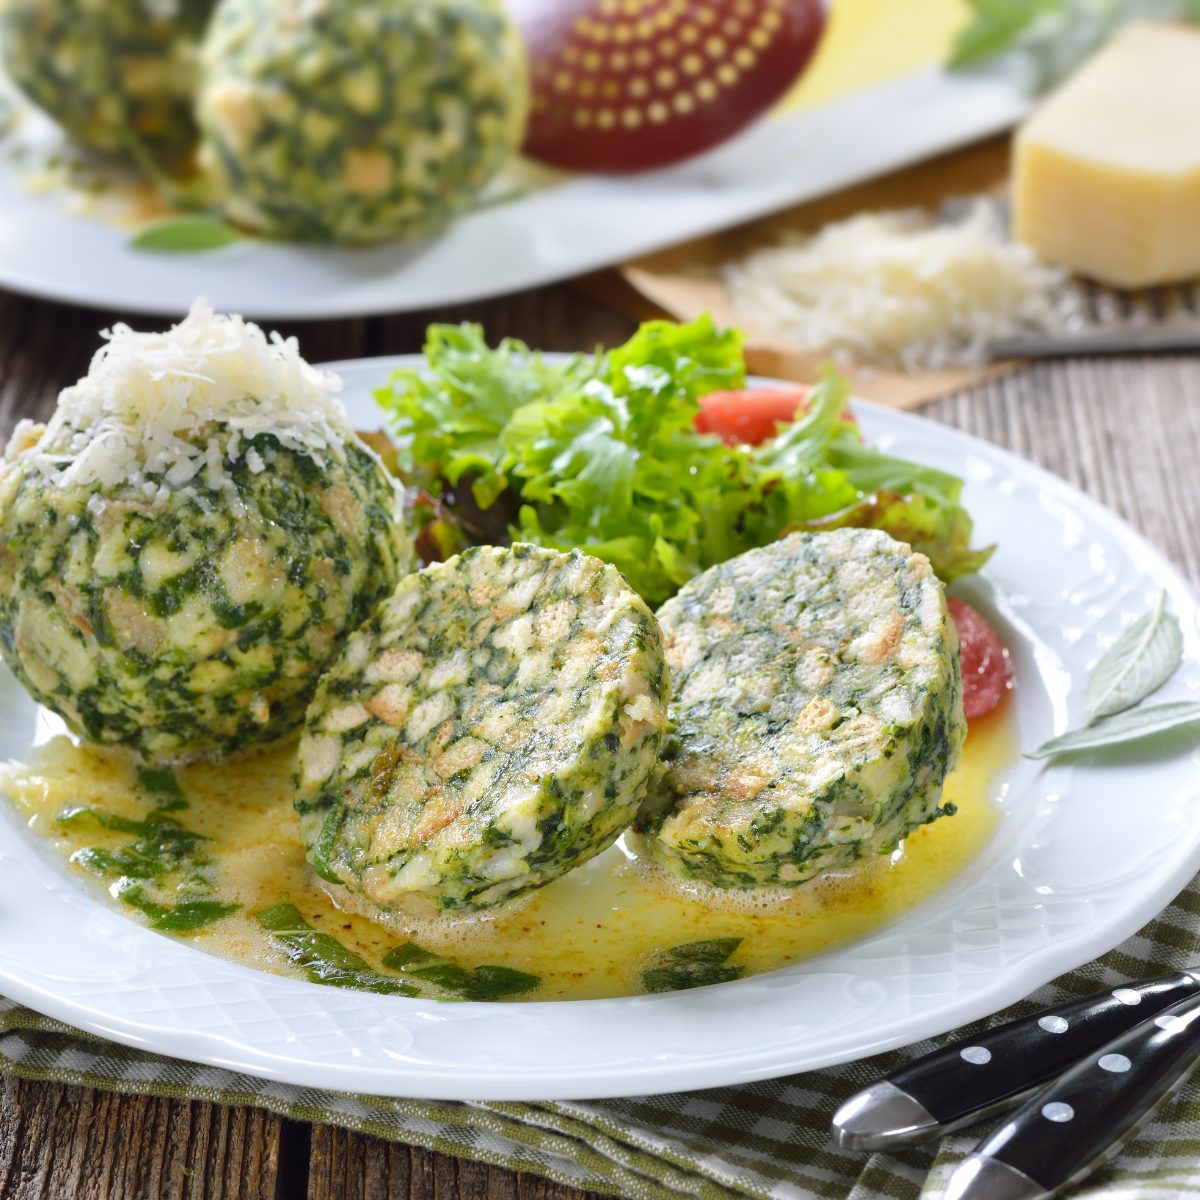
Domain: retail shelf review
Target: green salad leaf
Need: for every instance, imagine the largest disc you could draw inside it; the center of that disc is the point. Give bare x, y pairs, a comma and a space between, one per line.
1044, 41
996, 26
601, 453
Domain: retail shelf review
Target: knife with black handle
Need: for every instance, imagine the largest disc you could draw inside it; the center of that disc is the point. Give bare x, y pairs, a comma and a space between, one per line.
1072, 1126
966, 1082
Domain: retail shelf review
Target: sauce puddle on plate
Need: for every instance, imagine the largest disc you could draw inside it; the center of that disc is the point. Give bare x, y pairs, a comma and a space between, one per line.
589, 934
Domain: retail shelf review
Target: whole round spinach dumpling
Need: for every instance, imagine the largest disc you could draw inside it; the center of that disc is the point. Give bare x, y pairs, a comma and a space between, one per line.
190, 541
108, 70
492, 727
357, 122
817, 710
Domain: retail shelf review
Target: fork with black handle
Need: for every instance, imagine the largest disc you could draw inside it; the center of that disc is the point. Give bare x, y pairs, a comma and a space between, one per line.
1112, 1057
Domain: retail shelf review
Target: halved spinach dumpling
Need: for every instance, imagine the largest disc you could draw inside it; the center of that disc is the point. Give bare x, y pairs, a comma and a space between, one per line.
492, 727
817, 710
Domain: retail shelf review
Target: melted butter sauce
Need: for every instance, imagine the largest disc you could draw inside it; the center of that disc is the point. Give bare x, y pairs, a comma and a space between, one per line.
588, 934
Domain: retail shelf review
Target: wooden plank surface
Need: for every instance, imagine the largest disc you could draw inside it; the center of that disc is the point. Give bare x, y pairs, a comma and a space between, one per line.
1127, 431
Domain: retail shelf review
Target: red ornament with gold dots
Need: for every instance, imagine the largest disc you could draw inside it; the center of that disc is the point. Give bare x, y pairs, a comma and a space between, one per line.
627, 85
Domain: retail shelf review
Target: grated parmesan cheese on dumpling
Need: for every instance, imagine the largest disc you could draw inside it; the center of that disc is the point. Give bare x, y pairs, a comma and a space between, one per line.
890, 289
147, 397
190, 540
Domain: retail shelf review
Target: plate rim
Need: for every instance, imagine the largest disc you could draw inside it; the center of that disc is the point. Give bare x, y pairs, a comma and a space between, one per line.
1032, 971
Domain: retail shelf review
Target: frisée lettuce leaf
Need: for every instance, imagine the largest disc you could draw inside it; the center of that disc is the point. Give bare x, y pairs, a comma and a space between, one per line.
600, 452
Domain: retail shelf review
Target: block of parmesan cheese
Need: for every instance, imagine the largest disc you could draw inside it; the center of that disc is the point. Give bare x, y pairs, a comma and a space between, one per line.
1106, 175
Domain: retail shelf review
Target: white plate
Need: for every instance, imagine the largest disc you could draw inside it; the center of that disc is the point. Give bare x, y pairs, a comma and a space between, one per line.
1083, 857
555, 231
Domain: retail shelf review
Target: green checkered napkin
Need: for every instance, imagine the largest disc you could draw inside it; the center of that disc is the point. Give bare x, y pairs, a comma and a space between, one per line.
762, 1140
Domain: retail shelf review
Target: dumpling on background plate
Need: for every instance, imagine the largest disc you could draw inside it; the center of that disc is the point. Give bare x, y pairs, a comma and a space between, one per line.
111, 71
357, 122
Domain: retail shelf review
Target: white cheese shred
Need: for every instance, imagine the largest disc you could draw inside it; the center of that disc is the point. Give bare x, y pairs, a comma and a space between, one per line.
150, 401
891, 289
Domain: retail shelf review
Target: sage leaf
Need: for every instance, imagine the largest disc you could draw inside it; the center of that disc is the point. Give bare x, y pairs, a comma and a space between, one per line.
1124, 727
186, 235
1139, 662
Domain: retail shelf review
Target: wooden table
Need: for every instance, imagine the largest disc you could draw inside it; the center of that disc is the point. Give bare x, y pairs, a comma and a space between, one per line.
1125, 430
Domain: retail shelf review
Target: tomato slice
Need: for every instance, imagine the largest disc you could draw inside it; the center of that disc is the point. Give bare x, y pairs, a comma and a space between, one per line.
752, 415
628, 85
749, 416
986, 668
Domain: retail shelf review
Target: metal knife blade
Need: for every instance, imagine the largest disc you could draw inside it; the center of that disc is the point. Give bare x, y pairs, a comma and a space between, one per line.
1125, 339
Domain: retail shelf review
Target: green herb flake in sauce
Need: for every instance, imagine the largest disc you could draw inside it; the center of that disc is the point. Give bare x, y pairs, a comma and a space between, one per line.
714, 950
85, 814
162, 853
488, 982
404, 955
494, 983
323, 958
161, 783
161, 845
446, 975
185, 917
692, 965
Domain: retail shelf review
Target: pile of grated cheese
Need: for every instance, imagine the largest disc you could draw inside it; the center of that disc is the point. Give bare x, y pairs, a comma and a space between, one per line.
891, 289
147, 397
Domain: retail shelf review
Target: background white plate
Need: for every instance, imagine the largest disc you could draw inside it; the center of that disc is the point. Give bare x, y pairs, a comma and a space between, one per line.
555, 231
1084, 855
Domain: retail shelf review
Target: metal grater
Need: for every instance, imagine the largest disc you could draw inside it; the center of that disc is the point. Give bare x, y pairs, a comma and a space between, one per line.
1106, 320
1096, 319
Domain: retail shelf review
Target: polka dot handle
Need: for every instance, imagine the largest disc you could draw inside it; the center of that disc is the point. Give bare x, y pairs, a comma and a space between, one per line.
997, 1068
627, 85
1084, 1117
